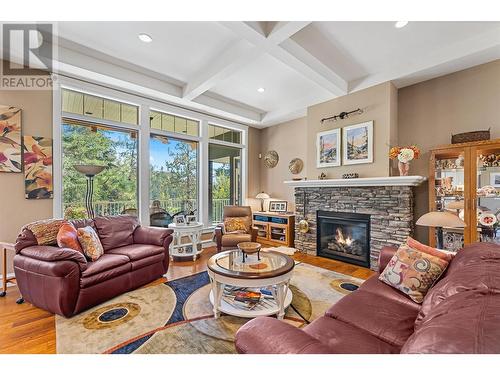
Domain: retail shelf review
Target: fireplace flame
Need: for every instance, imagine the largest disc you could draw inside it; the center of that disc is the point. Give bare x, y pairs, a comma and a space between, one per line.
339, 237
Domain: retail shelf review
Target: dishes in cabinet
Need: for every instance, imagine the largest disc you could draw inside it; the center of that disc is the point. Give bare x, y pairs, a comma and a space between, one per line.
487, 219
487, 191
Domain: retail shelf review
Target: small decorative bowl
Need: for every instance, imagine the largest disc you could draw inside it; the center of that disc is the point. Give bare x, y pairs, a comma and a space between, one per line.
350, 175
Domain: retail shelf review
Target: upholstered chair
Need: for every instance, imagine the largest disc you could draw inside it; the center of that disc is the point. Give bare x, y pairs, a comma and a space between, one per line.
227, 241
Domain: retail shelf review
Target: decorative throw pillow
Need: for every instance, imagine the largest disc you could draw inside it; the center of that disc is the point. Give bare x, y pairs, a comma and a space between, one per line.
235, 225
68, 237
413, 272
90, 242
443, 254
45, 231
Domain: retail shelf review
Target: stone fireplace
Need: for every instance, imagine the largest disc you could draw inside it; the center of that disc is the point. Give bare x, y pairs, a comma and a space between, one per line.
343, 236
385, 205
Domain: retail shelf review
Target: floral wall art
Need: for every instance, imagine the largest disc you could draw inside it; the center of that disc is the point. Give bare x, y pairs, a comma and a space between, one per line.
37, 156
10, 139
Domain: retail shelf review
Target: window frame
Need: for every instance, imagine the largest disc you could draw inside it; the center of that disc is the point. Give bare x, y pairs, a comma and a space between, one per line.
145, 105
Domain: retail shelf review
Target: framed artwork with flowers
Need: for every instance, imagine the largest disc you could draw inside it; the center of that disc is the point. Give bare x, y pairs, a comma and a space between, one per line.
10, 139
37, 157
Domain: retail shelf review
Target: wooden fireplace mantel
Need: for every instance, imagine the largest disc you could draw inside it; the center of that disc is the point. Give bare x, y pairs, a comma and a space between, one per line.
357, 182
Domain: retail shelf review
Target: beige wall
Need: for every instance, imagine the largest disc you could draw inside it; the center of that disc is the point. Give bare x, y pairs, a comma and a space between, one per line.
376, 103
288, 140
15, 210
431, 111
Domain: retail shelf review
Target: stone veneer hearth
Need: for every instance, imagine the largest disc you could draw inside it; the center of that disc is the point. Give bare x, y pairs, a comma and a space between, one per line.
390, 207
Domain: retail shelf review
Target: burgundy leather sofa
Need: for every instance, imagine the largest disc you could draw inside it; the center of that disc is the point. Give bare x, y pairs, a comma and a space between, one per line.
460, 314
62, 281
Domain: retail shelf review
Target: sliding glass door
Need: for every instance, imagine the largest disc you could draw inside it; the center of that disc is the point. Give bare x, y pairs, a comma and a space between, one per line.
224, 186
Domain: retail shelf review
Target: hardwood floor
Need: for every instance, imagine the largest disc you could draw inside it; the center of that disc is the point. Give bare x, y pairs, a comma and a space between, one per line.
28, 329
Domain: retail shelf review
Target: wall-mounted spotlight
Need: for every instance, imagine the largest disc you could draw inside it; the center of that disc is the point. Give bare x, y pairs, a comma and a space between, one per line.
342, 115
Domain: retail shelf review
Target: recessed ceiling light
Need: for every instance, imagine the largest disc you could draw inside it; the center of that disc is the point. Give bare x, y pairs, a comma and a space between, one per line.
145, 38
400, 24
261, 89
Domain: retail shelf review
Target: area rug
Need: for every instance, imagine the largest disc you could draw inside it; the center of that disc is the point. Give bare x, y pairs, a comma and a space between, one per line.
176, 317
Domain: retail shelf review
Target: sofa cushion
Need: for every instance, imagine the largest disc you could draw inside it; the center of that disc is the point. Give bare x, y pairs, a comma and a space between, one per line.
144, 262
344, 338
231, 240
384, 318
413, 272
116, 231
475, 267
375, 286
467, 322
138, 251
105, 262
100, 277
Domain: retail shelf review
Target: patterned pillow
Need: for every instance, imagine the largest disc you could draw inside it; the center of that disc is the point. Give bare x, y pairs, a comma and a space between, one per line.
413, 272
443, 254
90, 242
45, 231
235, 225
68, 237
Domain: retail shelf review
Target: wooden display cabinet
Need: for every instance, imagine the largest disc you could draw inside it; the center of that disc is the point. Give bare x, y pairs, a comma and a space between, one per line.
465, 179
274, 229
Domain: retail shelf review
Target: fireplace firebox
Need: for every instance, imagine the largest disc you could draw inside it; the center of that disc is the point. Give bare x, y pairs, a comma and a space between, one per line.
344, 236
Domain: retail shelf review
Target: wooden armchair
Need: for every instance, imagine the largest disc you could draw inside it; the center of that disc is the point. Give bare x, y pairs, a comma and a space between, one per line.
227, 241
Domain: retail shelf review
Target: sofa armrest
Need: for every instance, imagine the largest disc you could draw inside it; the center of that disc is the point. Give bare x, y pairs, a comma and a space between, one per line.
152, 236
266, 335
55, 254
385, 256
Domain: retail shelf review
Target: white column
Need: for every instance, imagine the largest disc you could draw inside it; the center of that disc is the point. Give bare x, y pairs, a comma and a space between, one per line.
143, 163
203, 174
57, 210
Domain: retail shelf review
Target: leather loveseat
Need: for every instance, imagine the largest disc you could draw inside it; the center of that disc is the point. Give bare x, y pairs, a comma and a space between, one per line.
62, 281
460, 314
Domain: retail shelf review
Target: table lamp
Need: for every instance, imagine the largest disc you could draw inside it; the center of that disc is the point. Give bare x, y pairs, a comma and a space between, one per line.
90, 171
438, 220
262, 196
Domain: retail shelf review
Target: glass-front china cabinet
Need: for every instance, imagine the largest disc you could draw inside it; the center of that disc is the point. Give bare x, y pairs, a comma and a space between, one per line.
465, 179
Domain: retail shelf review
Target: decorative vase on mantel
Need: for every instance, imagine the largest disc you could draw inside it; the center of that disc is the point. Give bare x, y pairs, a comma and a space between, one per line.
404, 154
404, 168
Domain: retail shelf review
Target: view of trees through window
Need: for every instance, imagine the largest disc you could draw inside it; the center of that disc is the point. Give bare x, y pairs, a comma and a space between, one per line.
115, 189
173, 178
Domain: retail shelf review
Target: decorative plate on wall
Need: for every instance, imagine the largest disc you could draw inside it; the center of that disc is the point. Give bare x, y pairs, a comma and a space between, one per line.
296, 166
271, 159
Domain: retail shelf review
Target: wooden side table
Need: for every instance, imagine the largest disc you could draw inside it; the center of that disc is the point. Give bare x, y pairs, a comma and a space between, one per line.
7, 246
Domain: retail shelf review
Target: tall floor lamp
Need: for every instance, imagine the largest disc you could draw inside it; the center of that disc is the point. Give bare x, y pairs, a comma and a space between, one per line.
90, 171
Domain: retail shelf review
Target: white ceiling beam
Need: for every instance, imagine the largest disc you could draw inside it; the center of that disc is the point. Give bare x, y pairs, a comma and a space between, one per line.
283, 30
450, 54
91, 69
225, 64
314, 72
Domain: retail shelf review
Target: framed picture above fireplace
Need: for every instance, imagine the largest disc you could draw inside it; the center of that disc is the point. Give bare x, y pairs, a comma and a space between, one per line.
328, 148
357, 143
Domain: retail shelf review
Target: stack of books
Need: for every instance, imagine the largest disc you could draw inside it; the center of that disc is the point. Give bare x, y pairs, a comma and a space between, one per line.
246, 298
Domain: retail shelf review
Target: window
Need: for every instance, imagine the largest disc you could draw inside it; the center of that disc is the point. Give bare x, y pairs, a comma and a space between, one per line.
223, 134
224, 186
100, 108
173, 178
174, 124
115, 189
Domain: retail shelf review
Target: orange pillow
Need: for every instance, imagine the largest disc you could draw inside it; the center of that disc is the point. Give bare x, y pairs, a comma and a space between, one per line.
445, 255
68, 237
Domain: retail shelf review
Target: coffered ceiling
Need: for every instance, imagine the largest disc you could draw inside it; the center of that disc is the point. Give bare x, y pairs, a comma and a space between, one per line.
218, 67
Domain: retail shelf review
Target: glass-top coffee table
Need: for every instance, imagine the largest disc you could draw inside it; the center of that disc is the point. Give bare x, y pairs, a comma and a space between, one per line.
270, 276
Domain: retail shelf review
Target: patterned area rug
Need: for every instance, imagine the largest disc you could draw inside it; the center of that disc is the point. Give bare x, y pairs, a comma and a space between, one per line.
176, 317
